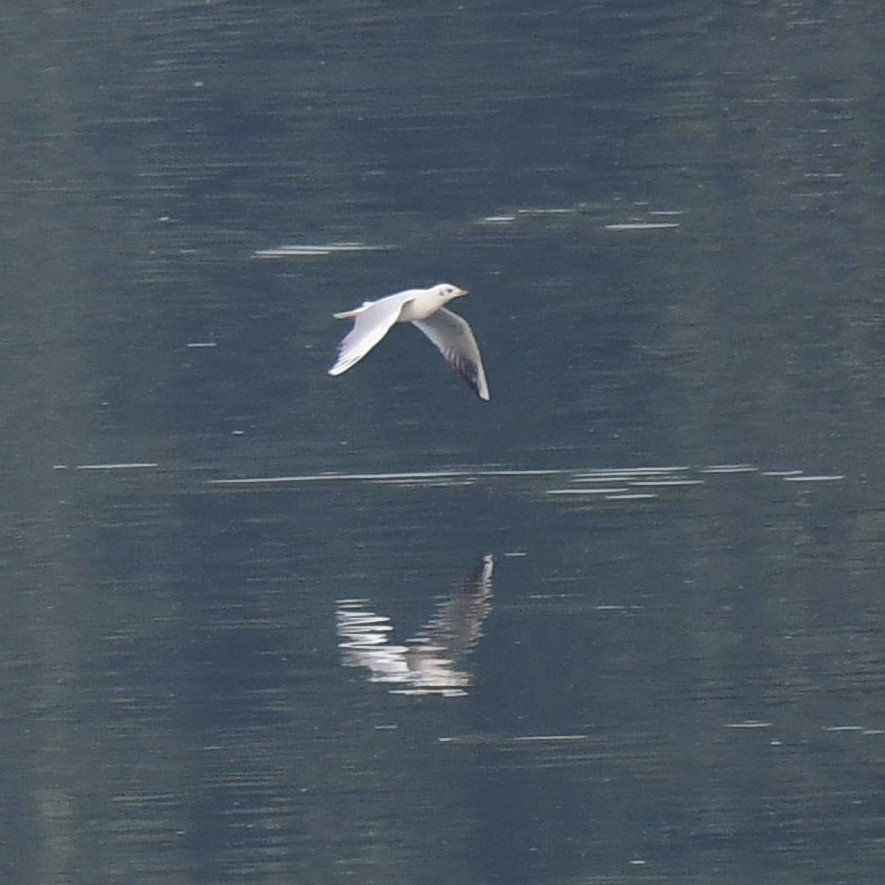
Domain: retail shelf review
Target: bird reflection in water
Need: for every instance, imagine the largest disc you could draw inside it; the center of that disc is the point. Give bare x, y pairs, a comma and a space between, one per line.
429, 662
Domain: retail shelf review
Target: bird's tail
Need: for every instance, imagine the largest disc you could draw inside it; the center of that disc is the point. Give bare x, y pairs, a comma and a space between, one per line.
352, 314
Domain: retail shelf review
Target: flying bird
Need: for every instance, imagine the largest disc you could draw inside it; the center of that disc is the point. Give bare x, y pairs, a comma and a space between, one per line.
425, 309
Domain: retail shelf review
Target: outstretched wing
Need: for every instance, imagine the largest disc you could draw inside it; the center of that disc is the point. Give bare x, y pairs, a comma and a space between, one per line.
454, 338
372, 322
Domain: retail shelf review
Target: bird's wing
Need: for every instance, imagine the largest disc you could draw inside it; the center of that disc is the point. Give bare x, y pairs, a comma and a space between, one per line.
454, 338
372, 322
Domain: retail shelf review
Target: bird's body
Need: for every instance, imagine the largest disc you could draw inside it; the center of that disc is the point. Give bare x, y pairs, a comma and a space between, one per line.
425, 309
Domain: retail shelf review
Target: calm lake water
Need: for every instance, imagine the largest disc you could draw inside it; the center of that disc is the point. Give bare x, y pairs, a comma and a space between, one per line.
623, 623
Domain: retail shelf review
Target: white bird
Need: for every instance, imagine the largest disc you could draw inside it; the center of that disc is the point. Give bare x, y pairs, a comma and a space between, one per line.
422, 308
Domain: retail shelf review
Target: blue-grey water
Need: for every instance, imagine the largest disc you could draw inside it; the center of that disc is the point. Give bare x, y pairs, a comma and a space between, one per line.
623, 623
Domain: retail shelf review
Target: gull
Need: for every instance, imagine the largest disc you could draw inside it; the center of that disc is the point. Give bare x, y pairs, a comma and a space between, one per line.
422, 308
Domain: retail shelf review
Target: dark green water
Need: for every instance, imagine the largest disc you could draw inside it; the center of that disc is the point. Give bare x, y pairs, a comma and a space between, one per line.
244, 633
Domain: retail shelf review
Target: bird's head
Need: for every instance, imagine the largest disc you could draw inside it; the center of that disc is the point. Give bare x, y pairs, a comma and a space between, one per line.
446, 292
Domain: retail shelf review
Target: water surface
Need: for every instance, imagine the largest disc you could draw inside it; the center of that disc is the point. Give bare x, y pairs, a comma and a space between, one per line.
622, 623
